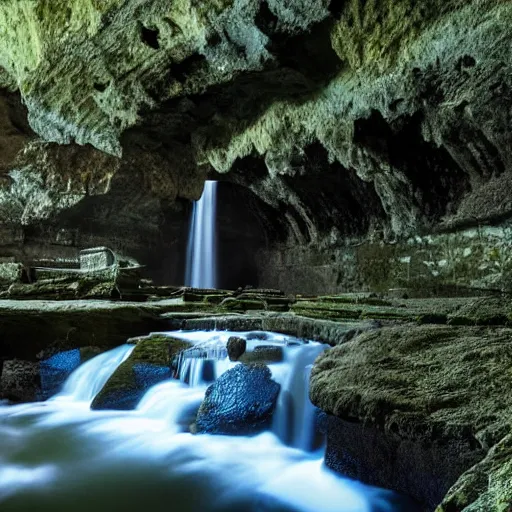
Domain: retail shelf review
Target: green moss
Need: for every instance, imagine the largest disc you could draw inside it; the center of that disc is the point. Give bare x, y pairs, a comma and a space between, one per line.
339, 315
341, 311
483, 311
214, 299
432, 318
486, 487
373, 32
423, 376
158, 350
232, 304
29, 29
340, 299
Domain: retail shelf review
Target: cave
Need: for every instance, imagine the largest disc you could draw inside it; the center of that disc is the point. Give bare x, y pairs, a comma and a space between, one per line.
255, 256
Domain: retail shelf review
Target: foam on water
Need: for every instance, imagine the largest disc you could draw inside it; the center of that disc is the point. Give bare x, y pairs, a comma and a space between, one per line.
59, 455
86, 382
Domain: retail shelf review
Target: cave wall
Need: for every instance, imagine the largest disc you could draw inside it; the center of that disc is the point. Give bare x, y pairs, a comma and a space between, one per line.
468, 261
360, 126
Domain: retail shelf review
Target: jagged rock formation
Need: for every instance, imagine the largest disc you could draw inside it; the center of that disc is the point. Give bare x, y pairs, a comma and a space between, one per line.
397, 114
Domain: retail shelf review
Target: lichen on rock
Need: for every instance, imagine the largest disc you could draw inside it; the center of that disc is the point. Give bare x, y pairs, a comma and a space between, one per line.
435, 393
148, 364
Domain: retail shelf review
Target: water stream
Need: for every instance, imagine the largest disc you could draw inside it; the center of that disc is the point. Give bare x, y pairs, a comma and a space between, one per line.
201, 250
59, 455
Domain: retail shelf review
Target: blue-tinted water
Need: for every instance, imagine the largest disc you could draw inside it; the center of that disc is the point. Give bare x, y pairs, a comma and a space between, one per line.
61, 456
201, 252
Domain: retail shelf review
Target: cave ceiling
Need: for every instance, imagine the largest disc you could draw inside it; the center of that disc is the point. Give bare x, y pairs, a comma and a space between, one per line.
348, 118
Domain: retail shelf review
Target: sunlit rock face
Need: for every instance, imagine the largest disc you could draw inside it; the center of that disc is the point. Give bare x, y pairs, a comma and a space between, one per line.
352, 121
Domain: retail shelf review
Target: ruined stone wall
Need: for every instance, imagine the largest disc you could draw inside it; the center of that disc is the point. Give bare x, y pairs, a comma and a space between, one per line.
464, 261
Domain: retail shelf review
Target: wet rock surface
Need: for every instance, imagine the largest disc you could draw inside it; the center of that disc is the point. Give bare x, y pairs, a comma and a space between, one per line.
432, 400
236, 348
415, 389
264, 354
148, 364
240, 402
20, 381
56, 369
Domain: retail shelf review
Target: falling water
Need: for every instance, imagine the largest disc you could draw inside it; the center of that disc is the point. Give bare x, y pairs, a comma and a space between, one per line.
201, 250
86, 382
59, 455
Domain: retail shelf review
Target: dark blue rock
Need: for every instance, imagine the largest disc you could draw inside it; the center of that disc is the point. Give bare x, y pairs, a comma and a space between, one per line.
240, 402
142, 377
56, 369
147, 375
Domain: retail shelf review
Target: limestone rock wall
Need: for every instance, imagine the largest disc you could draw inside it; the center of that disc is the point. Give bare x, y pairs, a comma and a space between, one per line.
463, 261
352, 121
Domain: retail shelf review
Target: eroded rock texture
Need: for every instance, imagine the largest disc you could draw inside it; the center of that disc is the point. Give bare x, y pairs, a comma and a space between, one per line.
350, 121
414, 408
240, 402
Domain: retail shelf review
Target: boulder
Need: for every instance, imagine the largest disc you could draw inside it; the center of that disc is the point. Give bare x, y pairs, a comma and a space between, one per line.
413, 408
240, 402
486, 486
236, 347
148, 364
264, 354
20, 381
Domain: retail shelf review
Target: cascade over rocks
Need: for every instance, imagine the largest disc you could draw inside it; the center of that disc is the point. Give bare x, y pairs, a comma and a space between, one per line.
359, 145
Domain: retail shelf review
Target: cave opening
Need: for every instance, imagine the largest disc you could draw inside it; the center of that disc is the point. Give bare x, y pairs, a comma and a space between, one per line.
244, 224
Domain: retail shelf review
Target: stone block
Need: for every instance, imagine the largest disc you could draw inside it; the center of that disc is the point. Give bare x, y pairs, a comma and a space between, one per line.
96, 258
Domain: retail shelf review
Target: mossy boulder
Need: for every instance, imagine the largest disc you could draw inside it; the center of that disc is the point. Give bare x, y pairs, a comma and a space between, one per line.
232, 304
148, 364
483, 311
486, 487
434, 398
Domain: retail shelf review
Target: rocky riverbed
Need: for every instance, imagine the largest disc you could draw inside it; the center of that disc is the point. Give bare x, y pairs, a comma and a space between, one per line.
415, 391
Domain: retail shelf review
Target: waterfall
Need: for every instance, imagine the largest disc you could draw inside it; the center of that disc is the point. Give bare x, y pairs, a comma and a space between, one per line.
86, 382
201, 269
58, 453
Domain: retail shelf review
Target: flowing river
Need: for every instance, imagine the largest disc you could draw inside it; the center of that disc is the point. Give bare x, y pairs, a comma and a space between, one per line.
59, 455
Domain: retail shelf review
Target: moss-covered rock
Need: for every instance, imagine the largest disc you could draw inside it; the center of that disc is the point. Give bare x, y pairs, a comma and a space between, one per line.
483, 311
148, 364
232, 304
486, 487
434, 398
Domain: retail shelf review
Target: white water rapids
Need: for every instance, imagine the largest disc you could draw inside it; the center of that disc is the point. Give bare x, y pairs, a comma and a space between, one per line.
60, 456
